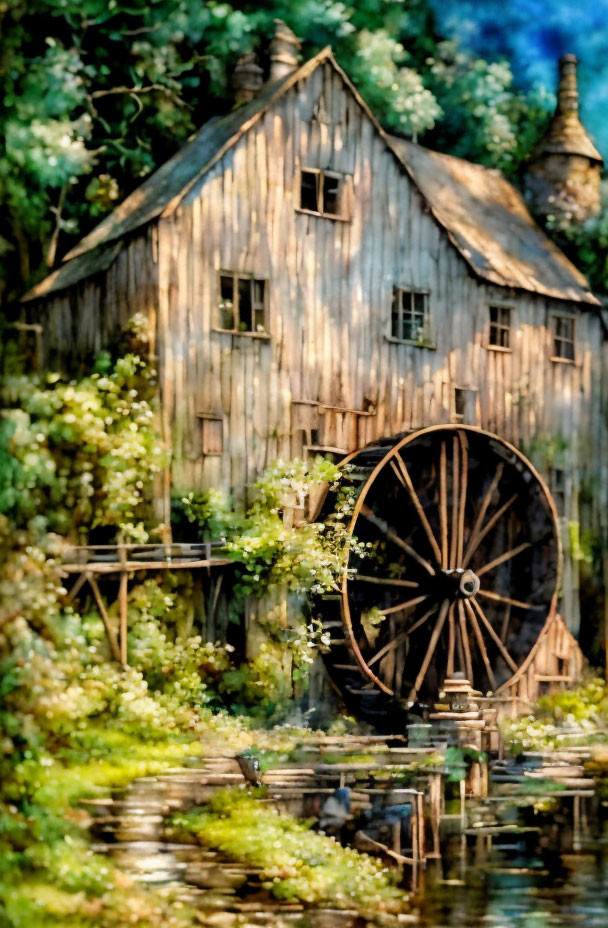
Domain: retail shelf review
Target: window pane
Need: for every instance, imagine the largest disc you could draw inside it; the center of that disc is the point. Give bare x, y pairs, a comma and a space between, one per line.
500, 326
563, 342
420, 302
226, 302
245, 312
396, 314
308, 191
331, 195
259, 314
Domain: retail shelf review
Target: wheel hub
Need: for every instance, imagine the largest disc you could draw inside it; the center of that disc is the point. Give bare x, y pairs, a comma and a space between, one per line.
460, 583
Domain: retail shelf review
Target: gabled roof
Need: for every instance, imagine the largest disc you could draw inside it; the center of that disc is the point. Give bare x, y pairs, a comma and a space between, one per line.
484, 217
488, 222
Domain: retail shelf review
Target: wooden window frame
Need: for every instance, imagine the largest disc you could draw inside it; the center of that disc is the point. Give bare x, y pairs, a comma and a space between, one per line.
469, 396
237, 277
207, 420
343, 194
555, 338
498, 326
424, 340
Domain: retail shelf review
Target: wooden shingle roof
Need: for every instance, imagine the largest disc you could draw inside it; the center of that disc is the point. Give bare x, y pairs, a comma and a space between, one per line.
489, 223
483, 215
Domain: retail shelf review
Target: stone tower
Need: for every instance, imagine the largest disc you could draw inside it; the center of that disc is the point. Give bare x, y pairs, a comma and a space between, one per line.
563, 177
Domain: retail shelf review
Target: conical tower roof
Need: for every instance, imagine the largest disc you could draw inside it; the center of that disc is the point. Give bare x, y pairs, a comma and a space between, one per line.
566, 134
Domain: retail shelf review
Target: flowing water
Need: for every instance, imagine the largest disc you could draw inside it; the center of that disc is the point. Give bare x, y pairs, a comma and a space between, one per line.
525, 884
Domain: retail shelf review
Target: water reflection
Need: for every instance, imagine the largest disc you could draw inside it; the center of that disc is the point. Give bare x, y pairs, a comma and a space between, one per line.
522, 883
510, 889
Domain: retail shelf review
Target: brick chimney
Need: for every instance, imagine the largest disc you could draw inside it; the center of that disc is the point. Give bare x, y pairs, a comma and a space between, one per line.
563, 177
284, 48
247, 78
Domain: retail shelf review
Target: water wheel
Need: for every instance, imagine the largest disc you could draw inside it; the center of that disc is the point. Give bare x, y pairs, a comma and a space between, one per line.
456, 568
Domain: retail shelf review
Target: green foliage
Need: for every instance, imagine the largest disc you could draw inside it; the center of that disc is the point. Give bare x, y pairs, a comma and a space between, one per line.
96, 96
270, 552
564, 718
581, 548
79, 454
586, 243
485, 118
297, 864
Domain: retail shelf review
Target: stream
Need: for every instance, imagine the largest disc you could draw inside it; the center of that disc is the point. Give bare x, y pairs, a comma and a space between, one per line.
474, 885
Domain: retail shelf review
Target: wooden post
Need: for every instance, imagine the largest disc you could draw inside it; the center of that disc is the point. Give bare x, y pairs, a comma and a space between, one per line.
435, 793
113, 643
576, 822
420, 817
605, 571
463, 812
122, 604
397, 837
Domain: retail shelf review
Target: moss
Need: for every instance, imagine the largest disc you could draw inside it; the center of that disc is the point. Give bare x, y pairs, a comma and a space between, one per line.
296, 863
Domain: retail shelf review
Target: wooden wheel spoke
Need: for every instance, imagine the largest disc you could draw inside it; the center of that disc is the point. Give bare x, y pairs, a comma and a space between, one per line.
455, 507
402, 472
499, 598
503, 557
495, 638
431, 648
396, 641
416, 625
480, 643
392, 536
451, 640
443, 504
464, 638
402, 636
407, 604
482, 511
462, 499
386, 581
477, 539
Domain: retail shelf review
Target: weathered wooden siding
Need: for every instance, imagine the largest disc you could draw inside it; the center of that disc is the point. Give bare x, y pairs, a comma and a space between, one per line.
327, 364
80, 321
330, 290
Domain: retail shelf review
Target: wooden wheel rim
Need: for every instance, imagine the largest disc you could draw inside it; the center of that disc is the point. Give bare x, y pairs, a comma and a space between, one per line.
392, 454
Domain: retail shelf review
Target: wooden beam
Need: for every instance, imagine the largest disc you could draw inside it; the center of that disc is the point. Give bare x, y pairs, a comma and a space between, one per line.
503, 557
407, 480
114, 649
371, 516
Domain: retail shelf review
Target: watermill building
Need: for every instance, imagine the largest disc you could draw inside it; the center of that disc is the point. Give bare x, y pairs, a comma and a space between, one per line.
314, 284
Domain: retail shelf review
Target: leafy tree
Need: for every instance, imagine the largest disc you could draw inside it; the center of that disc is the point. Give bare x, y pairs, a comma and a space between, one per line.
97, 94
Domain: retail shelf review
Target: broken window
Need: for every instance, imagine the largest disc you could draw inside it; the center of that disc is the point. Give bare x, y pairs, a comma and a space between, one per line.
242, 304
410, 315
322, 192
500, 326
563, 338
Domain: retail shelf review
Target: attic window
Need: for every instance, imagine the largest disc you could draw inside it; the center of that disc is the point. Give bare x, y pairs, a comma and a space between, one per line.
500, 327
410, 316
563, 338
323, 193
242, 303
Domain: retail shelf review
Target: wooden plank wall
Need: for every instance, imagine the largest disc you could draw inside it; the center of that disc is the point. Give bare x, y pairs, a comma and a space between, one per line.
330, 290
81, 321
